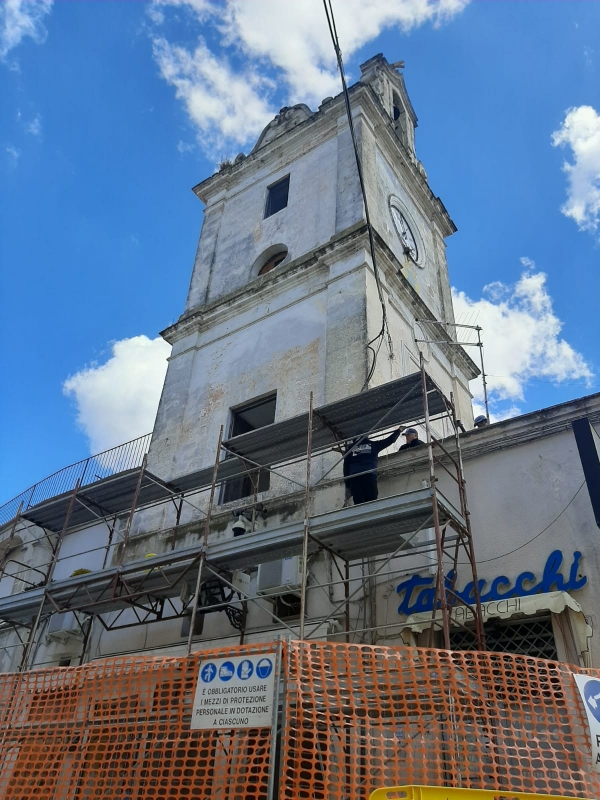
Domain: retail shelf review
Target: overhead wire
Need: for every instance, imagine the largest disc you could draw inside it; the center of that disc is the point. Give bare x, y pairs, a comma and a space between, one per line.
533, 538
384, 321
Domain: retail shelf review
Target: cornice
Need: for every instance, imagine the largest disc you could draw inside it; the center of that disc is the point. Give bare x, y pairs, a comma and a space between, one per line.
277, 281
289, 275
528, 427
295, 144
505, 435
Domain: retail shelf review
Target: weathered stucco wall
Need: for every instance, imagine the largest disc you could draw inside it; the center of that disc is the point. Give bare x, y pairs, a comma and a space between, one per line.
304, 334
324, 198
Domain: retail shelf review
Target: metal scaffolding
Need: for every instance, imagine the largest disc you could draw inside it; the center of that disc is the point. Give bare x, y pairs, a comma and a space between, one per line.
160, 587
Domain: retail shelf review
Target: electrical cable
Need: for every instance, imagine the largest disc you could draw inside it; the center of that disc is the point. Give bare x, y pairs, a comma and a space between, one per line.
520, 547
384, 322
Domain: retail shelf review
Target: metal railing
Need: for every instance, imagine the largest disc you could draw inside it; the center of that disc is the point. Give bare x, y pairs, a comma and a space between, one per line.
102, 465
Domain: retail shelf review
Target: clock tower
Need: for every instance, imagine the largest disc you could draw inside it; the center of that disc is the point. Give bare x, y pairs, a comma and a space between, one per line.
284, 297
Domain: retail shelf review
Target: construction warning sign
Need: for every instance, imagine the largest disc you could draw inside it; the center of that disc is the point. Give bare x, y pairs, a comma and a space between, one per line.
236, 692
589, 689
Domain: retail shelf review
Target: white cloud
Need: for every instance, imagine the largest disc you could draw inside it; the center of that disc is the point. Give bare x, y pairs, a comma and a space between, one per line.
185, 147
521, 337
580, 130
35, 126
13, 153
588, 55
21, 18
117, 401
290, 39
224, 106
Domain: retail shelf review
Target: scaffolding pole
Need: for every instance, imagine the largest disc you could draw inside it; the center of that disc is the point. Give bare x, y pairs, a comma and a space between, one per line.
204, 543
479, 629
306, 519
55, 552
440, 593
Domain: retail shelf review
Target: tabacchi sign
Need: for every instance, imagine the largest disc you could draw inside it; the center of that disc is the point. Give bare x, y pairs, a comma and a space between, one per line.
417, 592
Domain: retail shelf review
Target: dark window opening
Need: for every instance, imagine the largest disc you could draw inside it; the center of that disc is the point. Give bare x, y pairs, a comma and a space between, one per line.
198, 625
399, 114
64, 662
273, 262
277, 196
246, 418
529, 638
286, 606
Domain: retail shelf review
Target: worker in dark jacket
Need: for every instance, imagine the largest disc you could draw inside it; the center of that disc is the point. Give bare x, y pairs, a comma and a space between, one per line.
361, 456
412, 439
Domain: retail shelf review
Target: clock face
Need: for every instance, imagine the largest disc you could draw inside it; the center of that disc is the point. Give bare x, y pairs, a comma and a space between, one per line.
407, 237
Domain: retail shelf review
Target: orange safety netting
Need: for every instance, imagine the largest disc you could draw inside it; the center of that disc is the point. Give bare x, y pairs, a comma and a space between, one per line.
120, 728
358, 718
354, 718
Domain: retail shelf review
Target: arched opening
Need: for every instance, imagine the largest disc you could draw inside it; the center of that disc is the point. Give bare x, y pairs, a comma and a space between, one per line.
270, 259
399, 115
272, 262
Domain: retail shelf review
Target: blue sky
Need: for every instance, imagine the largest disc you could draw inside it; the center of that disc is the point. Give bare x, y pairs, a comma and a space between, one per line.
112, 111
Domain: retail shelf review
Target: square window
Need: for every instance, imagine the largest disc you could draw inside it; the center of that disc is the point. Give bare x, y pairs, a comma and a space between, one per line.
249, 417
277, 196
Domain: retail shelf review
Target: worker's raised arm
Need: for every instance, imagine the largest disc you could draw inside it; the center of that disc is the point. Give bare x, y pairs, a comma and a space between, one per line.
381, 444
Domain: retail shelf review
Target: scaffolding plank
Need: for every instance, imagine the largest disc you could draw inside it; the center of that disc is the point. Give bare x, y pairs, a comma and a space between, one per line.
110, 589
114, 495
379, 527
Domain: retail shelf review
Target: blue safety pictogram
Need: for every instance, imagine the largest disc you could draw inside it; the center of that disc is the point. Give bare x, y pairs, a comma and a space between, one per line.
591, 692
208, 672
264, 668
226, 671
245, 670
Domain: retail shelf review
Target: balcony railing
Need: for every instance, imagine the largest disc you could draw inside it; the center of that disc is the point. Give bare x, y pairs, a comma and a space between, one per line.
117, 459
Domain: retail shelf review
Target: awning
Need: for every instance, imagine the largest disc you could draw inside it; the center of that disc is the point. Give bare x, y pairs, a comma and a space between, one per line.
572, 637
555, 602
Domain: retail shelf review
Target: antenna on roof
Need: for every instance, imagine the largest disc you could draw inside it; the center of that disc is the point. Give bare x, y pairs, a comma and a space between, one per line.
478, 344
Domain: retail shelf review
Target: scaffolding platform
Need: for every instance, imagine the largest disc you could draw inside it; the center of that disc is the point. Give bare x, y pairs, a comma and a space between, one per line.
391, 404
376, 528
108, 497
171, 584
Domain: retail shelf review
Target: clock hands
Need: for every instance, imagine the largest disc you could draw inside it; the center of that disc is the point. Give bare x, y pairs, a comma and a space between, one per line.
406, 235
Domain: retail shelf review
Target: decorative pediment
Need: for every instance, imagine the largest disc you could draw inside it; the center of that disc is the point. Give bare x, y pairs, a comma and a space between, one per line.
288, 118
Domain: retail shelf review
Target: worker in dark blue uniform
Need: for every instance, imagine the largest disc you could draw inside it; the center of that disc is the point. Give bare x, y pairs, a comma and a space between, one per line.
412, 439
361, 457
